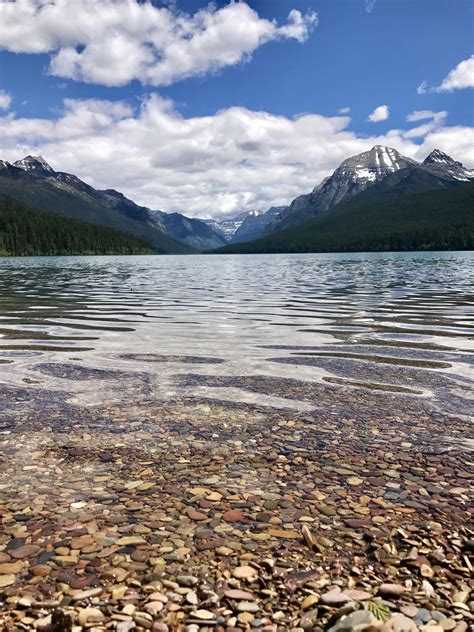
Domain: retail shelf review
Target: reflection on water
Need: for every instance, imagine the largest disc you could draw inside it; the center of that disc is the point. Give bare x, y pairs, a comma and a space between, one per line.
399, 323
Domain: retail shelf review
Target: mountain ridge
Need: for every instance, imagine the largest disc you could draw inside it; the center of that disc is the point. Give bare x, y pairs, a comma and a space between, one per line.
358, 173
36, 184
372, 221
191, 234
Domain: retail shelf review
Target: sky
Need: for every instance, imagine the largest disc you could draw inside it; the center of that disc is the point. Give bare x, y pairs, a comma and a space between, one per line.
212, 109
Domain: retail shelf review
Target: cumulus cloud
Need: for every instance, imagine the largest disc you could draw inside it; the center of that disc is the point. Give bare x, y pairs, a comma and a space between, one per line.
462, 76
5, 100
211, 165
344, 110
112, 42
381, 113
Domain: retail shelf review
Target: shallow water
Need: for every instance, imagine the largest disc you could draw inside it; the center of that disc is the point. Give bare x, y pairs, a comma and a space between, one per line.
191, 414
212, 326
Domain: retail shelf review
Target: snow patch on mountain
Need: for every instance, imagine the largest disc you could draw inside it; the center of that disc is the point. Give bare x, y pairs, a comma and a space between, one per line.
33, 163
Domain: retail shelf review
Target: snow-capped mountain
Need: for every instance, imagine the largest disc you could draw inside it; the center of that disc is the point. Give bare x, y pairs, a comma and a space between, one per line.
441, 164
255, 225
35, 183
68, 194
229, 226
358, 173
34, 163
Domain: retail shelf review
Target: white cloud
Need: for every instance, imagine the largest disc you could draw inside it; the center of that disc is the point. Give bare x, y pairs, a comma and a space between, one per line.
233, 160
5, 100
462, 76
112, 42
435, 120
369, 5
381, 113
345, 110
422, 88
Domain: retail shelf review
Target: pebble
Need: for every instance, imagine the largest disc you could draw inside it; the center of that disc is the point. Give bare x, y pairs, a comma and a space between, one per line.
247, 606
335, 597
354, 621
244, 572
119, 519
392, 590
88, 615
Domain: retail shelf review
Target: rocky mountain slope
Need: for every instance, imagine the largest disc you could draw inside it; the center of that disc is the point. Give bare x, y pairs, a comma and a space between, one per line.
358, 173
228, 227
379, 220
33, 182
196, 233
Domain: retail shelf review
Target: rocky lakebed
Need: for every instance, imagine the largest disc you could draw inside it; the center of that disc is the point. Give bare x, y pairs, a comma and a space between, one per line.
233, 444
190, 513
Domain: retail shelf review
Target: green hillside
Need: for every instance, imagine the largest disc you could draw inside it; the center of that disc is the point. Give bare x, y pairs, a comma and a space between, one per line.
57, 197
434, 220
27, 231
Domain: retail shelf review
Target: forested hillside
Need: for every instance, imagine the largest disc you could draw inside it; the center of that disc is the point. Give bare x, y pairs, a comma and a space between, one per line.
434, 220
27, 231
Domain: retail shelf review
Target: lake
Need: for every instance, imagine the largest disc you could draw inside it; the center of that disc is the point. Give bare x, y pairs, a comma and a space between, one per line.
165, 414
392, 321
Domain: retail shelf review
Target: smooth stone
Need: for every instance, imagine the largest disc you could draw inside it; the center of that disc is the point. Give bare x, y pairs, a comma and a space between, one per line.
335, 597
27, 550
195, 515
130, 541
88, 615
125, 626
401, 623
392, 590
247, 606
203, 614
153, 607
11, 568
234, 515
187, 580
86, 594
448, 624
357, 595
239, 595
7, 580
424, 615
244, 572
354, 621
309, 601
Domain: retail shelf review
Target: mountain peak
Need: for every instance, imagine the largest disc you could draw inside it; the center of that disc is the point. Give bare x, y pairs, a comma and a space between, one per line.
374, 164
33, 163
379, 157
438, 156
443, 165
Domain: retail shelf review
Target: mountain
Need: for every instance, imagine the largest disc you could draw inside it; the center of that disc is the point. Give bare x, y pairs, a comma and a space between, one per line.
361, 172
378, 220
229, 226
34, 182
443, 165
27, 231
197, 233
255, 224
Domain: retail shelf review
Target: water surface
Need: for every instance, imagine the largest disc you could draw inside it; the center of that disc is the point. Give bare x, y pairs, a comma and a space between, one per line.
230, 328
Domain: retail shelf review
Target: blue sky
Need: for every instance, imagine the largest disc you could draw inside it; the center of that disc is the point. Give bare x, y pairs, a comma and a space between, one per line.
333, 54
